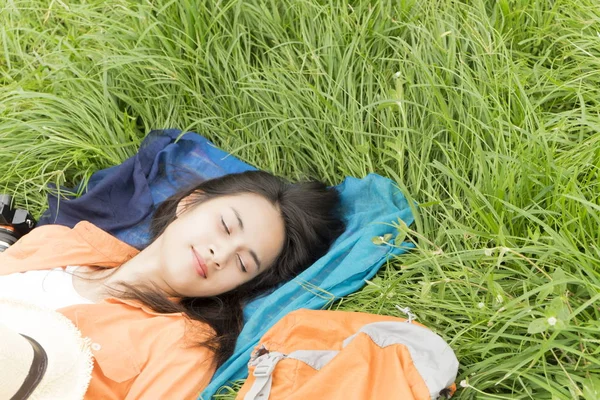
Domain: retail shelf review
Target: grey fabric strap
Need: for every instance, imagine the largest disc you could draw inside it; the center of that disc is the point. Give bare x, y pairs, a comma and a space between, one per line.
264, 365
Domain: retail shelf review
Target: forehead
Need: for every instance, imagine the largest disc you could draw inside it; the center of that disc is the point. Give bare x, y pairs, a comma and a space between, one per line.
247, 203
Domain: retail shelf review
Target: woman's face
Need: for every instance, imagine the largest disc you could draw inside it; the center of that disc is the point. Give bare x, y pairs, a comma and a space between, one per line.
220, 244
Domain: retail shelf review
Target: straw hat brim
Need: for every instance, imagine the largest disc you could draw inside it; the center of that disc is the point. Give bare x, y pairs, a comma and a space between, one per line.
70, 360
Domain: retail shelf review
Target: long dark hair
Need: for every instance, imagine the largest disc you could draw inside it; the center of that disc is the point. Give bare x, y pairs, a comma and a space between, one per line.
311, 215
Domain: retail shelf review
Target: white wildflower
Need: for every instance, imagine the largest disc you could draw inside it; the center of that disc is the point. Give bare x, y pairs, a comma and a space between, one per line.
480, 305
397, 75
552, 321
464, 383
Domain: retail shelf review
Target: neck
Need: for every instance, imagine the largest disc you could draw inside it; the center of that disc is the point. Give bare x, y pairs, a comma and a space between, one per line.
143, 269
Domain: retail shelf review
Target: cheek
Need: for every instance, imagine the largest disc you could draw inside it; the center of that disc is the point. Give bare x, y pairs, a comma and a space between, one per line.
173, 245
233, 279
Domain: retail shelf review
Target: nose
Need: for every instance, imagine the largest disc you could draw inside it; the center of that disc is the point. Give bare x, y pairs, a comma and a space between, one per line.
221, 254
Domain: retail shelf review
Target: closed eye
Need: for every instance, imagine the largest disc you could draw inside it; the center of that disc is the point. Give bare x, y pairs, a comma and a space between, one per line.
242, 264
225, 226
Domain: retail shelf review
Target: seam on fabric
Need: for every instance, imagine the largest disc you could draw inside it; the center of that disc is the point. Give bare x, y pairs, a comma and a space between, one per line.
431, 387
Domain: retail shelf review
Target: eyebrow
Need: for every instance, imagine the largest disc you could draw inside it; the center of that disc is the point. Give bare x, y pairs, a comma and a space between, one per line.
241, 223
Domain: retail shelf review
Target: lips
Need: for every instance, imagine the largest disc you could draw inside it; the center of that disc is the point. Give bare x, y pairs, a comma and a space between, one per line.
200, 264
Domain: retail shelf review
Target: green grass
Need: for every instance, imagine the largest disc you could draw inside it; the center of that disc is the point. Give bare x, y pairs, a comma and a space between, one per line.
486, 113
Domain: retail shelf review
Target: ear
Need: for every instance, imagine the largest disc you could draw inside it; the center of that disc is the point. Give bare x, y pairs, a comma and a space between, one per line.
185, 203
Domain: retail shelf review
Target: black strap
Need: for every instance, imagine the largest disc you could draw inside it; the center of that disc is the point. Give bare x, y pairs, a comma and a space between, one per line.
36, 372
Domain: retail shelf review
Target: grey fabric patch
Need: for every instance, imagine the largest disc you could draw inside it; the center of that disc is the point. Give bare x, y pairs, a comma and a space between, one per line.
315, 358
431, 355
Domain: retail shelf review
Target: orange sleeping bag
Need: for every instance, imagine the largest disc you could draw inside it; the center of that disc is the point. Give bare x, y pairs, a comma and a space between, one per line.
337, 355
